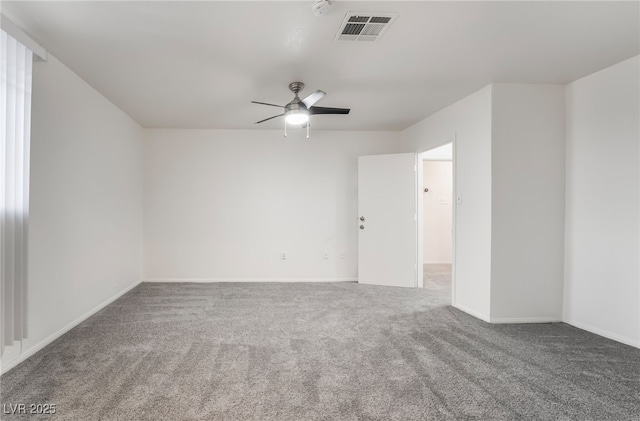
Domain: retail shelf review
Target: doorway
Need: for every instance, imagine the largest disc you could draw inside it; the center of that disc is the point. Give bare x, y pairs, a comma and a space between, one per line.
436, 221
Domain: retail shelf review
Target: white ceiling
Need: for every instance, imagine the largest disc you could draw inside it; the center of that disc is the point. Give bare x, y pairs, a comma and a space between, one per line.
199, 64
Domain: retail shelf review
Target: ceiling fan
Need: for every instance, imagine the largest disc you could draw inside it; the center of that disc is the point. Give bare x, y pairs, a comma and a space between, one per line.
298, 110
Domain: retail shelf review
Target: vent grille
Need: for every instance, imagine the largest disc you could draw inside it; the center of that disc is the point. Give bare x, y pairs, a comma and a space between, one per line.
361, 26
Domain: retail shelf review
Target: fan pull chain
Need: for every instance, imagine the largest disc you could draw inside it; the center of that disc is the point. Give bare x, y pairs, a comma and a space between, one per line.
285, 127
308, 129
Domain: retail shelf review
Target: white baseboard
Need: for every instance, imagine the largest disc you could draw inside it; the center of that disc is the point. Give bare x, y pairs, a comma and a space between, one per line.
28, 353
605, 333
212, 280
540, 319
474, 313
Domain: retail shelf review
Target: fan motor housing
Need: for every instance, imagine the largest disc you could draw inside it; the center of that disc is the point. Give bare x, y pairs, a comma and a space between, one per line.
295, 105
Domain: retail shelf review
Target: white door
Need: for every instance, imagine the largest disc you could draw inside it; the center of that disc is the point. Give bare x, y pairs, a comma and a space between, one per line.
387, 233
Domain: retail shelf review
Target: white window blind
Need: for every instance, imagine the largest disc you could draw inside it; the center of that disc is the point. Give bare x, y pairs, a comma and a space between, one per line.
15, 130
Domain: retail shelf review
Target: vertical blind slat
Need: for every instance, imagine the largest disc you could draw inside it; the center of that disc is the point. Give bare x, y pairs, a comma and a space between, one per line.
3, 152
25, 186
10, 184
15, 130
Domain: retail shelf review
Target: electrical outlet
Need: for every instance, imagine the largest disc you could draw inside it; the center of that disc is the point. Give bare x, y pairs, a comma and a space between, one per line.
283, 255
325, 254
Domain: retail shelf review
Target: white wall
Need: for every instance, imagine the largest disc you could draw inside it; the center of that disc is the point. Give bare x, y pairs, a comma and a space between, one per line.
469, 121
85, 232
222, 205
437, 211
602, 264
527, 191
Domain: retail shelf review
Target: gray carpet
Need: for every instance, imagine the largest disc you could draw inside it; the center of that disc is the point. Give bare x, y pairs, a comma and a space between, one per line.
437, 278
338, 351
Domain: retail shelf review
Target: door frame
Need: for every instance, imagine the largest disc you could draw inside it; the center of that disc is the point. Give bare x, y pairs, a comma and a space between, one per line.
420, 214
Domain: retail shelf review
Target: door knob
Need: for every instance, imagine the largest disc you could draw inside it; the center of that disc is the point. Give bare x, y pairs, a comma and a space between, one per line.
361, 227
362, 218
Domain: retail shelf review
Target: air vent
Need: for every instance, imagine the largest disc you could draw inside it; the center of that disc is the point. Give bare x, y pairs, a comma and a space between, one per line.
362, 26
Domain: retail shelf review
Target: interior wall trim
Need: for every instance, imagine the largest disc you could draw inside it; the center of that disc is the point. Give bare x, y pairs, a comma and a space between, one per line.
603, 332
28, 353
213, 280
537, 319
474, 313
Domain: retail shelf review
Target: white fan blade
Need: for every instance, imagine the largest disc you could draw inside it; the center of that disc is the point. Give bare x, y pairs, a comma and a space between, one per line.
313, 98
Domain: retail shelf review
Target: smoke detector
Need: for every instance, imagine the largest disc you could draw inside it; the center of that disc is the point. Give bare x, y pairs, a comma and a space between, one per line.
321, 7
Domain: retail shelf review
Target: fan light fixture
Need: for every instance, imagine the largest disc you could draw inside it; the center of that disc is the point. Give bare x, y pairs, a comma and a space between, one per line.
297, 117
298, 110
